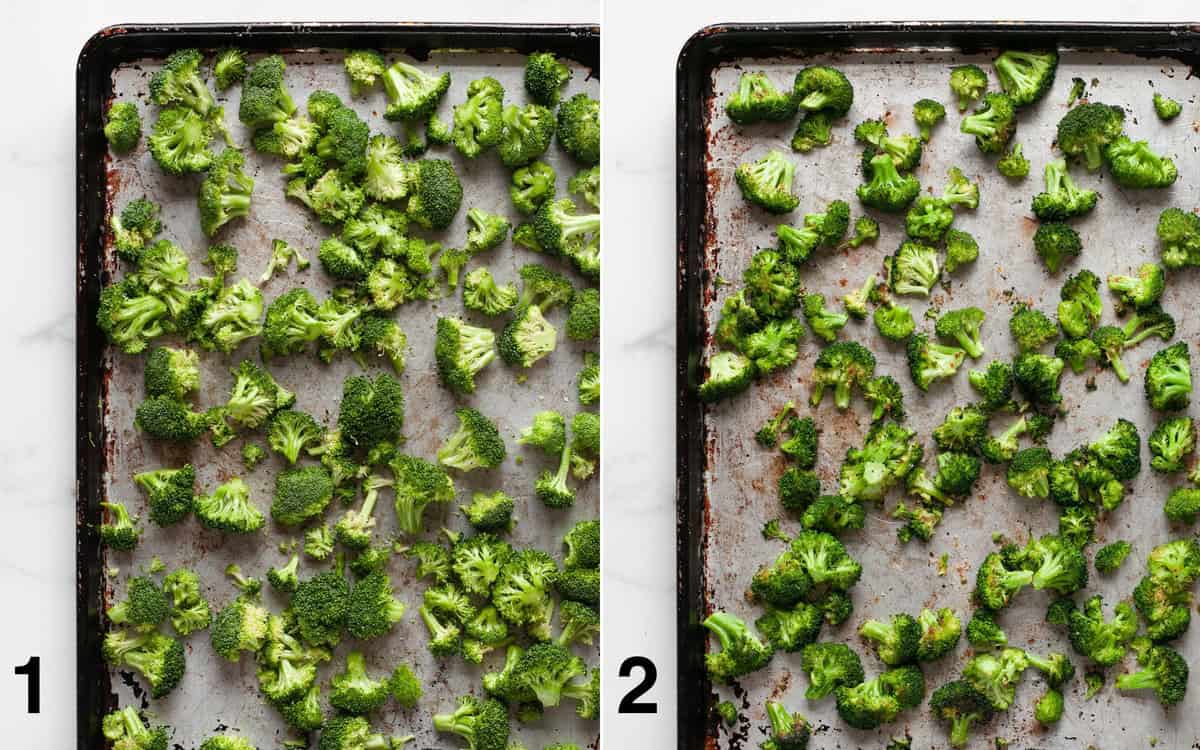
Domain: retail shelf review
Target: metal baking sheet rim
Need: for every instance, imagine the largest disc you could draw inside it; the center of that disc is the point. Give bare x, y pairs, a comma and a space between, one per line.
701, 54
98, 58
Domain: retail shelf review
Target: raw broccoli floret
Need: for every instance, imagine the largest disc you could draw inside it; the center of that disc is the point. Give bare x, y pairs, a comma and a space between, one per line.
130, 316
134, 228
826, 229
126, 730
159, 658
179, 141
189, 610
281, 257
528, 337
170, 493
476, 444
417, 484
331, 198
461, 352
521, 593
578, 129
1085, 130
741, 651
255, 396
265, 99
412, 93
144, 606
525, 135
532, 186
894, 322
960, 704
371, 610
438, 194
843, 366
482, 723
178, 82
355, 691
767, 182
545, 75
164, 418
993, 123
1133, 165
285, 579
123, 126
354, 733
240, 626
929, 361
371, 412
1164, 671
968, 82
363, 67
1080, 308
927, 113
489, 512
913, 269
290, 432
228, 508
1013, 164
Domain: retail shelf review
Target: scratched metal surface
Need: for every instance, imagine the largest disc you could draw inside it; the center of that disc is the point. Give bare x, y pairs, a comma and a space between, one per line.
215, 693
740, 477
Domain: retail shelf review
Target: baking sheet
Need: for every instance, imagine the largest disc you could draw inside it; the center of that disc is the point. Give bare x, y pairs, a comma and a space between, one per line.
739, 477
228, 692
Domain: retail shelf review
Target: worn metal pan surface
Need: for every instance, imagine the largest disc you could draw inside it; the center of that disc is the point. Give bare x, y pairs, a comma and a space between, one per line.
727, 483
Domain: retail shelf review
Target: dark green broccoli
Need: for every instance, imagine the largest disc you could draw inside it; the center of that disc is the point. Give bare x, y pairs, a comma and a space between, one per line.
961, 249
583, 318
1085, 130
896, 642
866, 230
134, 228
545, 75
960, 704
821, 88
1031, 328
994, 385
791, 629
240, 626
438, 194
462, 351
815, 130
419, 483
126, 730
964, 429
170, 493
265, 99
489, 512
144, 606
993, 123
354, 733
1080, 308
887, 445
1164, 671
130, 316
996, 584
371, 609
867, 705
354, 690
833, 514
1153, 321
1028, 473
984, 633
1172, 444
963, 326
164, 418
1037, 376
412, 93
123, 126
789, 731
321, 605
1119, 450
1183, 504
843, 366
798, 488
1056, 244
757, 99
820, 229
885, 396
1056, 564
968, 82
528, 337
371, 412
1102, 642
768, 435
179, 83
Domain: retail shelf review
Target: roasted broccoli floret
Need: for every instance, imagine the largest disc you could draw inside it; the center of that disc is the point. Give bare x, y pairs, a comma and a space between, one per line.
887, 189
996, 584
896, 641
904, 150
929, 361
134, 228
789, 731
928, 219
741, 652
265, 100
757, 99
1086, 129
984, 633
867, 705
1101, 641
123, 126
1056, 244
996, 675
815, 130
993, 123
843, 366
1172, 444
927, 113
913, 269
729, 373
968, 82
159, 658
1013, 164
1164, 671
960, 704
1026, 76
961, 249
829, 666
1168, 381
767, 182
1153, 321
1134, 165
791, 629
821, 88
1111, 556
826, 229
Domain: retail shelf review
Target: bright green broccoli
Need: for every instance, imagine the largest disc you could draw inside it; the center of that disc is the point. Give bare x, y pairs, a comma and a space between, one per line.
1086, 129
968, 82
123, 126
993, 123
